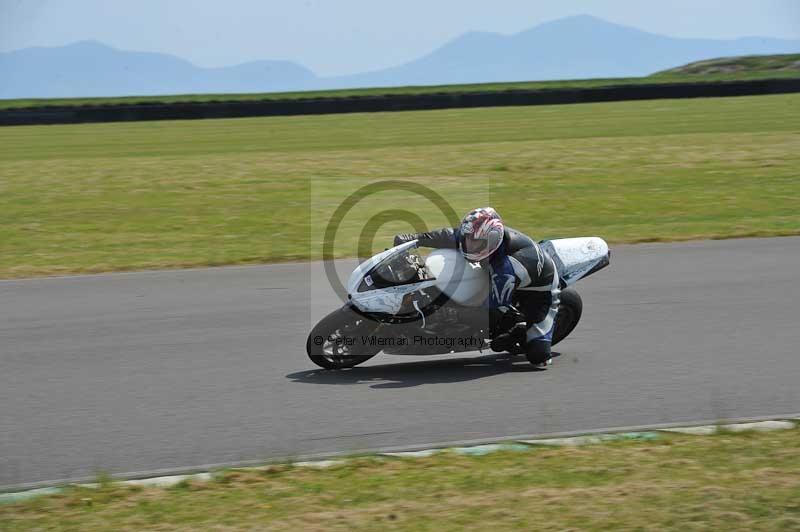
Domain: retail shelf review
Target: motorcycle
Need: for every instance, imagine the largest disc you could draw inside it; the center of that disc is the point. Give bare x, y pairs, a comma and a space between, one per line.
401, 303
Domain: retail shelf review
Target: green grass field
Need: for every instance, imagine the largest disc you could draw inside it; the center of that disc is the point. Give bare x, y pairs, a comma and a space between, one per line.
744, 481
676, 76
103, 197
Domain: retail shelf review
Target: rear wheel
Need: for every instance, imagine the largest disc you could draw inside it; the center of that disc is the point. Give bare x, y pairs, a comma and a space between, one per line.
570, 309
336, 341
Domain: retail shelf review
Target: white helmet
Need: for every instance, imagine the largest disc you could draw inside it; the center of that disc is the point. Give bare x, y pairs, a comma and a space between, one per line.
480, 234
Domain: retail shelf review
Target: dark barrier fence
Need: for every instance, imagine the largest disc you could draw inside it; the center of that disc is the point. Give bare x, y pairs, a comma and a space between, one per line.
400, 102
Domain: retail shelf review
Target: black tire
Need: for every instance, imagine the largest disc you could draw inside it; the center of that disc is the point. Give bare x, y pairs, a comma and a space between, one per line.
569, 314
342, 323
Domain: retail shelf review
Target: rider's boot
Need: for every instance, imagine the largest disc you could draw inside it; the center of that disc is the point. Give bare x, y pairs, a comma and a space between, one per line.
538, 352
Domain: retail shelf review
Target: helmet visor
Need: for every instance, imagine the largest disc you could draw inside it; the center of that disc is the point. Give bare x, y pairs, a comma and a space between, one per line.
473, 245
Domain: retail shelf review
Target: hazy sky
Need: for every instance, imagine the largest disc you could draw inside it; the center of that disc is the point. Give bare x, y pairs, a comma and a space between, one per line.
345, 36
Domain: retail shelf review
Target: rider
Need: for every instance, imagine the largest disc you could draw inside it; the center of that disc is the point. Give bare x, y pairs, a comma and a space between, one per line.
516, 264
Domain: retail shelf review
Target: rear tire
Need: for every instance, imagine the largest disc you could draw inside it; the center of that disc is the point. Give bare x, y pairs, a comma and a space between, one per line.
570, 309
325, 352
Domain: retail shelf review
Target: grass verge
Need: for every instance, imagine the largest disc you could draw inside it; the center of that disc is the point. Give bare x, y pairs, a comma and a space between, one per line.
745, 481
105, 197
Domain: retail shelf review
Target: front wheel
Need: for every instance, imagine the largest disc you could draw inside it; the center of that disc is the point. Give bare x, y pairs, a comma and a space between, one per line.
336, 341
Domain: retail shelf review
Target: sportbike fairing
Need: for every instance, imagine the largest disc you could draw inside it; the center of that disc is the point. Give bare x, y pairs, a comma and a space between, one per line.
576, 258
388, 282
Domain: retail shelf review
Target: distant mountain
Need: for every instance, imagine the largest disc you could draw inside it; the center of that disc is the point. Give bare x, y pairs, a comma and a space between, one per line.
568, 48
90, 68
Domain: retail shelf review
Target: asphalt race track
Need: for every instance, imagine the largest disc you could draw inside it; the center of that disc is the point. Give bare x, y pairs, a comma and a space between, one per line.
145, 371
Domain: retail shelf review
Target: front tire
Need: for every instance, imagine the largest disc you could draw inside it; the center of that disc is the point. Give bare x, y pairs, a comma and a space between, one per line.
570, 309
326, 345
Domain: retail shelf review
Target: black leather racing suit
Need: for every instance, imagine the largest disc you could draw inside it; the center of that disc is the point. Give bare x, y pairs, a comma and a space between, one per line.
519, 266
